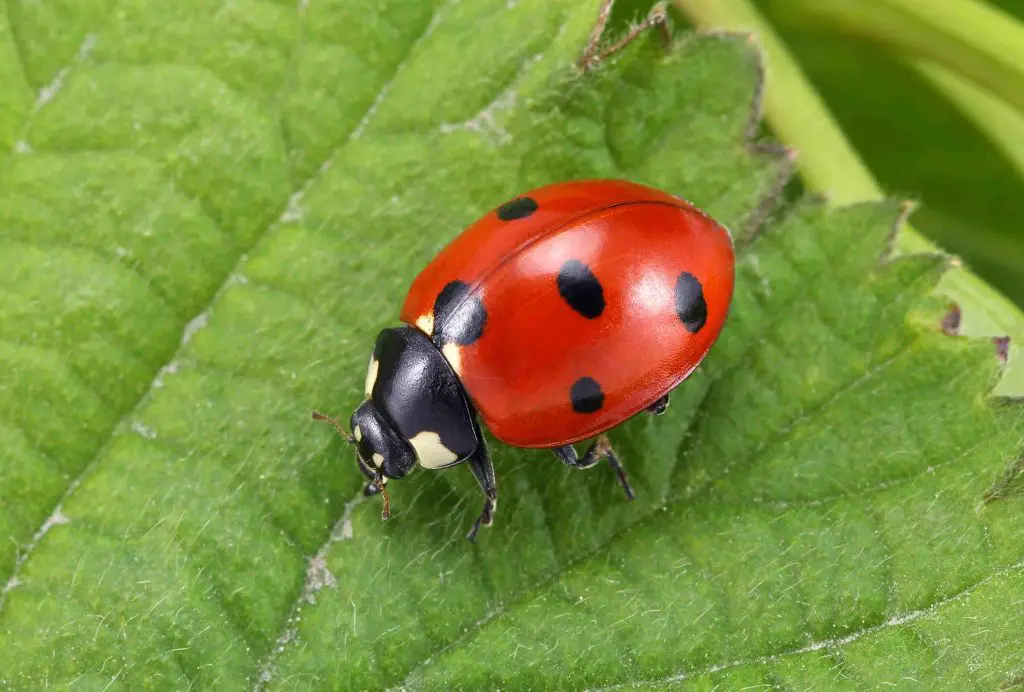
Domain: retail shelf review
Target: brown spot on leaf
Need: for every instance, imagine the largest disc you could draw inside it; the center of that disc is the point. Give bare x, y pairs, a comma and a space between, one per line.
1002, 344
951, 322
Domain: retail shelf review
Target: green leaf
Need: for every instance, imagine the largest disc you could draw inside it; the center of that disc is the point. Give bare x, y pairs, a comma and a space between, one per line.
208, 212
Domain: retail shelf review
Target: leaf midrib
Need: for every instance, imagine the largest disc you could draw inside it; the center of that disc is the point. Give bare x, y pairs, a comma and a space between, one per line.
294, 197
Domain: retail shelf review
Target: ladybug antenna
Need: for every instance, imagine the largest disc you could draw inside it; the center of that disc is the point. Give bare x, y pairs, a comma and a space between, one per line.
378, 481
337, 426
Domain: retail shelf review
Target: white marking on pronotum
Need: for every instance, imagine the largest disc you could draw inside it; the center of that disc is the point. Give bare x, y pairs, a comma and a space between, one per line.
378, 459
454, 356
430, 452
371, 376
357, 432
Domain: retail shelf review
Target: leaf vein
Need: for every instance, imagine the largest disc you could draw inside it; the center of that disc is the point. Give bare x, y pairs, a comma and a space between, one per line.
46, 94
881, 486
810, 415
131, 267
583, 557
834, 644
200, 200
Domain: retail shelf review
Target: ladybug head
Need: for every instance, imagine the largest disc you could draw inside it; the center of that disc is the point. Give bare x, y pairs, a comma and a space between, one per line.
380, 450
381, 453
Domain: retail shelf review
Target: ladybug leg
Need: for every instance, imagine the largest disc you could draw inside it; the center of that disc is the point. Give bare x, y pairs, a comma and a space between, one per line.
600, 449
659, 407
482, 468
593, 54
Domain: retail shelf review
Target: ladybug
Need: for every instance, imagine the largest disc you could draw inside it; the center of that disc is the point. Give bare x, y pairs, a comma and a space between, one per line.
554, 318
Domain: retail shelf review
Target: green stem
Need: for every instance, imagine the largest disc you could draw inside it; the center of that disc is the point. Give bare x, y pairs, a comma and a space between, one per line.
796, 112
829, 164
966, 37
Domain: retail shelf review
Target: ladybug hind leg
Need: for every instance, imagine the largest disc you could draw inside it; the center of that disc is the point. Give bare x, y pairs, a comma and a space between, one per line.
483, 470
600, 449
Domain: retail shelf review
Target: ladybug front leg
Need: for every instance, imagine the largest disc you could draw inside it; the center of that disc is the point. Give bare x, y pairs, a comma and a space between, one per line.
482, 468
592, 53
600, 449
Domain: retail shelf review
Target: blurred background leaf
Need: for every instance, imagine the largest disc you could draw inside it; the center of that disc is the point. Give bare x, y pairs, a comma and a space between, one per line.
923, 130
911, 98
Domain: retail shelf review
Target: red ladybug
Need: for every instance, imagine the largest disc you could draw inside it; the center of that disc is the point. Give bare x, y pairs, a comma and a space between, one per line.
554, 318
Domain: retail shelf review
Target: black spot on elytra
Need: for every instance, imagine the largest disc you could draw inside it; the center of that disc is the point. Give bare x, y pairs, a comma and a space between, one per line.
581, 289
690, 305
519, 208
459, 315
586, 395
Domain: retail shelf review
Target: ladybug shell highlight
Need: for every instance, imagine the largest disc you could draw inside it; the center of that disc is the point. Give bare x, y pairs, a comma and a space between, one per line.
575, 306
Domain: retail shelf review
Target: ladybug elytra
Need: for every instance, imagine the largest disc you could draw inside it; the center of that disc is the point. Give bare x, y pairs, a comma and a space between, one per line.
554, 318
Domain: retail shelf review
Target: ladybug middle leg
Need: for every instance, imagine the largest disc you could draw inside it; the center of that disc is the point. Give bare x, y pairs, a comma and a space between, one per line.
593, 54
483, 470
600, 449
659, 407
